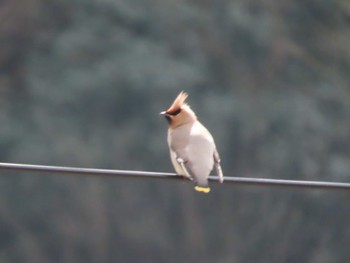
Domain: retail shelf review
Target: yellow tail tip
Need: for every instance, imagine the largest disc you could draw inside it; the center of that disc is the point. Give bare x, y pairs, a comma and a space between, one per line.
202, 189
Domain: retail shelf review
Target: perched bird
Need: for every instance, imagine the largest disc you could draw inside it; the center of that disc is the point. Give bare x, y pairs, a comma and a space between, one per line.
192, 149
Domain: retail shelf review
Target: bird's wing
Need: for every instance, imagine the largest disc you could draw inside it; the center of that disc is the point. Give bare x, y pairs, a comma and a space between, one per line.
183, 165
218, 166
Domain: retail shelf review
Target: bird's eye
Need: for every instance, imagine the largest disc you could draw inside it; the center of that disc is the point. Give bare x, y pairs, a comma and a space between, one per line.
174, 113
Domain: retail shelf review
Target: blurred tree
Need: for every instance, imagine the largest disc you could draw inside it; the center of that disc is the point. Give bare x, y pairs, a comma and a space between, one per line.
82, 83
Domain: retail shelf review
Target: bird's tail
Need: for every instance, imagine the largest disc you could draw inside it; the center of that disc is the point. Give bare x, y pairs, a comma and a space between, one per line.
203, 189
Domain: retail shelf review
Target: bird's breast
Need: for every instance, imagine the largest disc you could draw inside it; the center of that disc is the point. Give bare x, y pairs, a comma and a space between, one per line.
194, 144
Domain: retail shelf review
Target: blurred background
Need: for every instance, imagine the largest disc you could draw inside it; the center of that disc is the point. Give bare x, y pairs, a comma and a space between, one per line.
82, 83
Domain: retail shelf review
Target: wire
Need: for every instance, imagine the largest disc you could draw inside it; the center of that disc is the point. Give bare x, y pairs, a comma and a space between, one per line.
160, 175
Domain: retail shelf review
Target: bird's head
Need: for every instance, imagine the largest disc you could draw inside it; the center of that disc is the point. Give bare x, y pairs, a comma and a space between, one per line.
179, 113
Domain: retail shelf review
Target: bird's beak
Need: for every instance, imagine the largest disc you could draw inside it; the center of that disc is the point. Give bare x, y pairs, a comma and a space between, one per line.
163, 113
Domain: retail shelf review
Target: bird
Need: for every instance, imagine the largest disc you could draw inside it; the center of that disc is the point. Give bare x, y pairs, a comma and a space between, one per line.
193, 152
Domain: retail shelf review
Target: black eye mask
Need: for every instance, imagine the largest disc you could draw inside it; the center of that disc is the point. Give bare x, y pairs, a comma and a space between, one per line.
174, 113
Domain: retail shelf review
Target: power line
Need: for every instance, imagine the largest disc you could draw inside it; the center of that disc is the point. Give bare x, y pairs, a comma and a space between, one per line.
160, 175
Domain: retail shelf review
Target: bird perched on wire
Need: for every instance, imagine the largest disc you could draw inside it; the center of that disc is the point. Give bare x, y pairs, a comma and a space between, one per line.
192, 148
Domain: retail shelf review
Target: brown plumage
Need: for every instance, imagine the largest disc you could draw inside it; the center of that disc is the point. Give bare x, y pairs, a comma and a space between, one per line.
192, 149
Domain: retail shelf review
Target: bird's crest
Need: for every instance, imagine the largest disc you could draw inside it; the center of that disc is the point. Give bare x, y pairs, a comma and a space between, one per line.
178, 102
